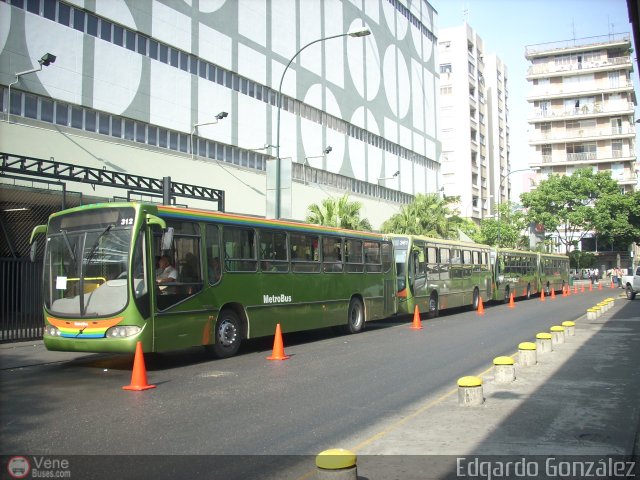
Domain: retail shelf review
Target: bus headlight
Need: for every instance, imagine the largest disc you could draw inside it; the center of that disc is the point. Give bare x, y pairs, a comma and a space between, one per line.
122, 331
51, 330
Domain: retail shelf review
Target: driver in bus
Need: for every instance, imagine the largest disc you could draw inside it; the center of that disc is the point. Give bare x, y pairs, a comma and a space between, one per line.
167, 274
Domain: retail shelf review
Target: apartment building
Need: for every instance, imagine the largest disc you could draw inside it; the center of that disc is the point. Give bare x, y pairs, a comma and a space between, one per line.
473, 123
582, 107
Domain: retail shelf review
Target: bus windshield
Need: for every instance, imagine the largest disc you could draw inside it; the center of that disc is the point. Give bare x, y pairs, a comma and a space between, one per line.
401, 250
86, 262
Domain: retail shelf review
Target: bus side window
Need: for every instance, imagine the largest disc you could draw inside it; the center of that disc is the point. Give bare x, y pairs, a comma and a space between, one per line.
372, 257
304, 253
239, 249
332, 254
273, 251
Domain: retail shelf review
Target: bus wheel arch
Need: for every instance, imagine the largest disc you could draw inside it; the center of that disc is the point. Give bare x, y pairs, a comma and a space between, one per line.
356, 315
229, 330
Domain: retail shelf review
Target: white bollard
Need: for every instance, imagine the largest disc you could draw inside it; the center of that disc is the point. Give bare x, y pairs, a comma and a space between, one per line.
470, 392
569, 328
504, 370
336, 464
527, 355
543, 342
557, 335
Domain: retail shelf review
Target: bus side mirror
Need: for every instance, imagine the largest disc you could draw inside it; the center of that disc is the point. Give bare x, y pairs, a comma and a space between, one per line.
32, 251
37, 230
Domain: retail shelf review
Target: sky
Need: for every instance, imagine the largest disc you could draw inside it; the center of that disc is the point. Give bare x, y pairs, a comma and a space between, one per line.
508, 26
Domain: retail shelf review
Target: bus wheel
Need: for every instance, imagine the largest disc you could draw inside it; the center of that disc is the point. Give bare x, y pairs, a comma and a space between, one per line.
433, 306
227, 335
355, 316
476, 299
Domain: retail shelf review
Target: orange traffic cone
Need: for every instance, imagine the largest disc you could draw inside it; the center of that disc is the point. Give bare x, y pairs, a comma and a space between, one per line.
417, 324
575, 289
278, 348
542, 295
599, 285
139, 374
612, 286
480, 306
512, 303
582, 288
553, 294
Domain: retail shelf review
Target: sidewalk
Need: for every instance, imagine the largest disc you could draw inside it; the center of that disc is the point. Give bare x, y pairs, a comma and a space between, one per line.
582, 399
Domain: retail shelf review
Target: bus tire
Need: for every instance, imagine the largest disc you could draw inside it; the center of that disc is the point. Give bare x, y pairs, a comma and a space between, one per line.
433, 306
227, 335
355, 316
476, 299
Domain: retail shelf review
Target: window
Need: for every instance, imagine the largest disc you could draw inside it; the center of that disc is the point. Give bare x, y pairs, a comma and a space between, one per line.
46, 110
304, 253
445, 68
30, 106
273, 251
353, 257
214, 269
62, 114
239, 250
332, 254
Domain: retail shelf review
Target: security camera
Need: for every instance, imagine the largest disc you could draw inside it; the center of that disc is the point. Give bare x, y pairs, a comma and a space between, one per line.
222, 115
46, 59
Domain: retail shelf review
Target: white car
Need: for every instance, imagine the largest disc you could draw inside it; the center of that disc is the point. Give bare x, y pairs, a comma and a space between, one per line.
631, 284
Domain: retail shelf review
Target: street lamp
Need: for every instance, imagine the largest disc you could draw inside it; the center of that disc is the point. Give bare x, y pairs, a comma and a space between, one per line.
360, 32
389, 178
46, 60
218, 117
500, 194
325, 152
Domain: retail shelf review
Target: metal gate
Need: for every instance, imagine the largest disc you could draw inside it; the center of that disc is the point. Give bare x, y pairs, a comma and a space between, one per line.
21, 314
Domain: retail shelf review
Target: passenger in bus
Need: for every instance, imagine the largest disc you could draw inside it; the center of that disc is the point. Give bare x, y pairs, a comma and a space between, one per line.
167, 274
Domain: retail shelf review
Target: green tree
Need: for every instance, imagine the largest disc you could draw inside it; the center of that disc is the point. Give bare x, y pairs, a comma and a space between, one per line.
507, 230
570, 205
617, 218
338, 213
427, 215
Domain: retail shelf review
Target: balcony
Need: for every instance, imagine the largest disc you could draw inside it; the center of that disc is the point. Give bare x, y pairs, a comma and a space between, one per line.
567, 46
595, 110
580, 159
553, 70
591, 90
560, 135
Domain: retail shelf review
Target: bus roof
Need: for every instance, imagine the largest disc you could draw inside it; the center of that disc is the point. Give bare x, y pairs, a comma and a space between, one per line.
193, 214
441, 241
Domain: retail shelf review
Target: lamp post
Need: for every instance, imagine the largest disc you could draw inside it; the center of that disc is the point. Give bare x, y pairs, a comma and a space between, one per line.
500, 195
218, 117
46, 60
325, 152
361, 32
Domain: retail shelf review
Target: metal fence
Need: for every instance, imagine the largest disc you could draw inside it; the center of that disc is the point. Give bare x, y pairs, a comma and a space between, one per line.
21, 316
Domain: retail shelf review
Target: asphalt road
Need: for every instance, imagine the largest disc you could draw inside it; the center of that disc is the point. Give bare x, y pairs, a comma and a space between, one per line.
332, 388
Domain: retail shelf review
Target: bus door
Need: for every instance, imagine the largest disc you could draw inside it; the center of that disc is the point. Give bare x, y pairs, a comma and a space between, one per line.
179, 319
419, 270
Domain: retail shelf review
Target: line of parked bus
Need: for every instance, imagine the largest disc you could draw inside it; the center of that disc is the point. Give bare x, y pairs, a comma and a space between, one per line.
236, 277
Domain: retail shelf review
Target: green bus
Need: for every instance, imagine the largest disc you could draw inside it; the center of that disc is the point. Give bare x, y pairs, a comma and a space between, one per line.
525, 273
234, 277
553, 272
436, 274
515, 271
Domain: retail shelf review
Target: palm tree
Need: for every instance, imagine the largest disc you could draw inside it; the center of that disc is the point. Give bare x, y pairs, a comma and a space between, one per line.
338, 213
428, 215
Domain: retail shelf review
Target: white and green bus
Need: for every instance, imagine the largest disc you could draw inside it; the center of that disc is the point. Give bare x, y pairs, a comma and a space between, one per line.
436, 274
235, 277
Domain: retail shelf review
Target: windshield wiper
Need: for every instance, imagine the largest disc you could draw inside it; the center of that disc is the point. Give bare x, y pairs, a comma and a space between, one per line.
95, 244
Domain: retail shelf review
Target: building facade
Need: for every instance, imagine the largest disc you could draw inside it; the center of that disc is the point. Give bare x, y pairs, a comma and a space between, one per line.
582, 116
473, 122
582, 107
136, 87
